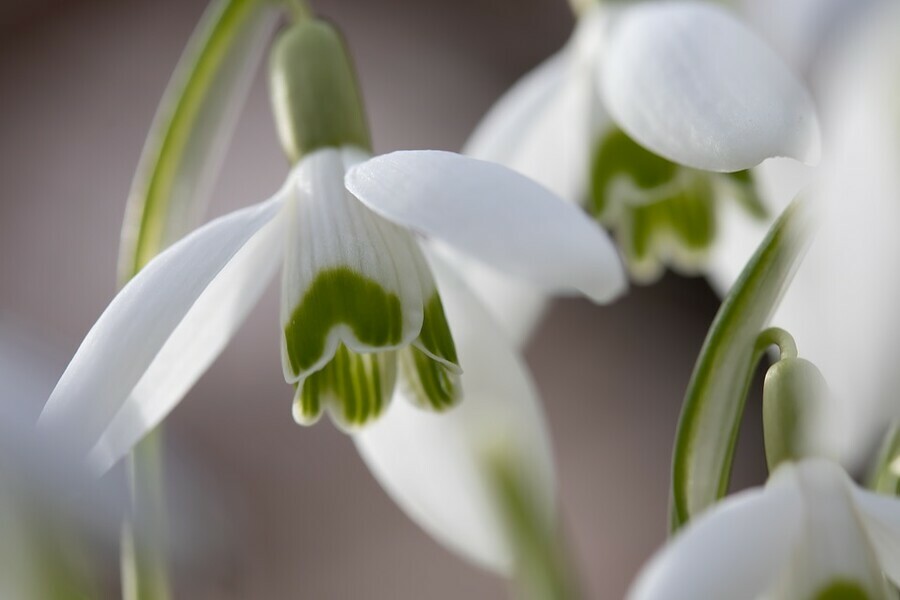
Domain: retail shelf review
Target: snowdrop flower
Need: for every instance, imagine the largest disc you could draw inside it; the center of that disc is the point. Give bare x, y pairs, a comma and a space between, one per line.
810, 533
649, 117
424, 459
358, 298
841, 305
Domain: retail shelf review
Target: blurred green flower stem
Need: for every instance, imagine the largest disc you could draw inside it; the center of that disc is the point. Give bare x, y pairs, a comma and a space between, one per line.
885, 475
542, 571
714, 402
181, 156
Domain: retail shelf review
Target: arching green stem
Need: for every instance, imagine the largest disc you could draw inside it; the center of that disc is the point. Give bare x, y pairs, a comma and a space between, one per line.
181, 157
714, 402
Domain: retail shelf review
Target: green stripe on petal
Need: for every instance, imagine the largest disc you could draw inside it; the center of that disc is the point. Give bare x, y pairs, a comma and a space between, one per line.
356, 388
660, 212
843, 590
714, 401
340, 296
430, 384
435, 338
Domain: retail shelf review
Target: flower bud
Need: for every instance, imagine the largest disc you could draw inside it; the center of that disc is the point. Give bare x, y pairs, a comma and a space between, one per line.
793, 392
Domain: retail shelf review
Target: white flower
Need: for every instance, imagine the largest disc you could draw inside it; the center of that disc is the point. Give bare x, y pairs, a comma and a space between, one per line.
695, 88
841, 305
436, 466
357, 294
810, 533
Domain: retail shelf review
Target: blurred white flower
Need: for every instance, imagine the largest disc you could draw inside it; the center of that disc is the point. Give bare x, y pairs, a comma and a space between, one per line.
841, 306
631, 117
810, 533
437, 467
356, 291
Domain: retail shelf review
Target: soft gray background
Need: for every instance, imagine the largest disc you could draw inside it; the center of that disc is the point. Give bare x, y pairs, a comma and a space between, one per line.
80, 83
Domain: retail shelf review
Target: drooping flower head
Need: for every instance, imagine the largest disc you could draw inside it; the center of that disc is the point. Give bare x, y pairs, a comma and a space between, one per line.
650, 117
360, 308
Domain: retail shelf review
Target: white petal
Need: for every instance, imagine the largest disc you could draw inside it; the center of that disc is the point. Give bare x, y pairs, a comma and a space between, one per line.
832, 548
503, 129
194, 344
329, 229
432, 464
495, 215
693, 84
515, 306
545, 126
881, 518
139, 322
735, 550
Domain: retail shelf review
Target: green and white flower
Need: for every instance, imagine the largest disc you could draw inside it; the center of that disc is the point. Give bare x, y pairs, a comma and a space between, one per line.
649, 117
810, 534
358, 299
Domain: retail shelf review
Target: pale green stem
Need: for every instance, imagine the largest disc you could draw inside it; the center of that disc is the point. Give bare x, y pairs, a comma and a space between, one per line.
145, 573
776, 336
885, 475
541, 568
299, 10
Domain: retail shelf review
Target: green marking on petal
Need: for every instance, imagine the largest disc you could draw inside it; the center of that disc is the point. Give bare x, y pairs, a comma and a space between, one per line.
843, 590
678, 229
661, 213
341, 296
356, 387
618, 155
746, 194
431, 384
435, 336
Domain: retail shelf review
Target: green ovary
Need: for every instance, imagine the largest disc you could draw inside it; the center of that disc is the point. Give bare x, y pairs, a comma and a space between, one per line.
340, 296
842, 590
357, 387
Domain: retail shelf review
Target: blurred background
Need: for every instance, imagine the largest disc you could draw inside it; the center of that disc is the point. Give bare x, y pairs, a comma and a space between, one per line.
298, 514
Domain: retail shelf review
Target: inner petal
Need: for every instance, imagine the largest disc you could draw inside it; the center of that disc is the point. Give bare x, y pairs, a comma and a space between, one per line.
350, 277
354, 388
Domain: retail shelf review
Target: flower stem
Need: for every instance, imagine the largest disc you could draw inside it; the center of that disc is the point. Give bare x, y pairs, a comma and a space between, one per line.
145, 574
541, 569
776, 336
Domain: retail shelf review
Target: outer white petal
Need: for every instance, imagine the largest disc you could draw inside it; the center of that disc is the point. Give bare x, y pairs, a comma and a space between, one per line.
495, 215
693, 84
881, 518
194, 344
143, 318
431, 464
505, 127
833, 547
736, 550
545, 126
842, 307
779, 181
515, 306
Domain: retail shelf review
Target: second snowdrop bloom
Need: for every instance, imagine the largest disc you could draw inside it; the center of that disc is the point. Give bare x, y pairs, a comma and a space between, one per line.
359, 304
649, 117
810, 534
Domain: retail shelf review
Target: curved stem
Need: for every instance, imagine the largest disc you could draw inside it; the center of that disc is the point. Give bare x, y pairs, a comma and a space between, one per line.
776, 336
